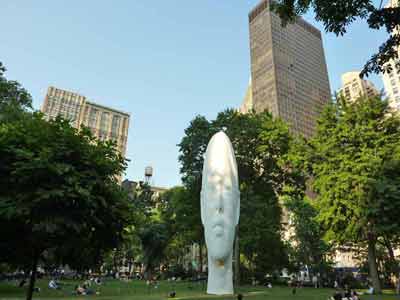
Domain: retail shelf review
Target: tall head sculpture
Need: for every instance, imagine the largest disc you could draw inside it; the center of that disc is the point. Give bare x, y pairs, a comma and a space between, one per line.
220, 208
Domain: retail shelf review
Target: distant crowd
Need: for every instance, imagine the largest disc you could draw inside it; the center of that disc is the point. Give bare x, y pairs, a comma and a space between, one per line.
80, 289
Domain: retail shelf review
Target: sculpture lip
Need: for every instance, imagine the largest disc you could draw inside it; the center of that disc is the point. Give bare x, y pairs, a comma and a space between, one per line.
218, 223
218, 228
219, 232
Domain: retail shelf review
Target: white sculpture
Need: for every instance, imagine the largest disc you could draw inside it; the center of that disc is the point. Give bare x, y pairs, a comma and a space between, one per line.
220, 209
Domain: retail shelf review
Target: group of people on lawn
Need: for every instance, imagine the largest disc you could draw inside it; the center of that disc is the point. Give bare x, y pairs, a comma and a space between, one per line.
84, 289
346, 294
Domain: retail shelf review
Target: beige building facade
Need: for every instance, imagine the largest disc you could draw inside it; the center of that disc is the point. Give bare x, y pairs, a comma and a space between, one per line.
288, 69
104, 122
345, 257
247, 104
391, 80
353, 87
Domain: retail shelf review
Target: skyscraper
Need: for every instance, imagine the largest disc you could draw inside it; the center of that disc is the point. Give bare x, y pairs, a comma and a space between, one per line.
247, 104
105, 123
354, 87
288, 69
391, 80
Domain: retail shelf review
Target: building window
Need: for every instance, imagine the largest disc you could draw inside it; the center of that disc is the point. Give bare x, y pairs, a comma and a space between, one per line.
395, 90
104, 121
116, 121
124, 125
85, 115
92, 118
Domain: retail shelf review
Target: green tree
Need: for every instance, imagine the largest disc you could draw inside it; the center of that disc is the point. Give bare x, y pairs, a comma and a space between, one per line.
309, 248
338, 15
58, 191
260, 142
131, 248
154, 238
150, 227
192, 148
356, 168
304, 233
13, 97
174, 212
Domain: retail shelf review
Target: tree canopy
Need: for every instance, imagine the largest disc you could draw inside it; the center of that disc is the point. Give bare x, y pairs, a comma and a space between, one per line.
153, 226
338, 15
260, 143
58, 189
14, 99
355, 164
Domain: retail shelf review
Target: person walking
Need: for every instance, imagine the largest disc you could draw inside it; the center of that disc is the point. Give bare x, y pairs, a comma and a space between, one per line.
315, 281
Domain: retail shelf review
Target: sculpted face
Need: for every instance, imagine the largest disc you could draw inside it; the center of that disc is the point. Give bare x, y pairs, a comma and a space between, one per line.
220, 199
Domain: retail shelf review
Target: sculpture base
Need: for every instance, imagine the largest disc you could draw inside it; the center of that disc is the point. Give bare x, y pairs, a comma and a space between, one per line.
221, 292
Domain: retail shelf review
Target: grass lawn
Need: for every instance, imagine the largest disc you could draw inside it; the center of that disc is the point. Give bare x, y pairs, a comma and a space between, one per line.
137, 290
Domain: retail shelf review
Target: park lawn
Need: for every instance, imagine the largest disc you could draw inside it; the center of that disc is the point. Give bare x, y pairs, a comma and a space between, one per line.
138, 290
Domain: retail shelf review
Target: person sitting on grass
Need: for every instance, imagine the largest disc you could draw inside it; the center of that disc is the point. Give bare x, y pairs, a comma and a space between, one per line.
337, 295
354, 295
88, 290
80, 290
54, 285
172, 294
370, 290
347, 292
351, 294
22, 283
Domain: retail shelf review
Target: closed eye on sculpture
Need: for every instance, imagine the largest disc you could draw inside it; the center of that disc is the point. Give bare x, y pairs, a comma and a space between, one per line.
229, 193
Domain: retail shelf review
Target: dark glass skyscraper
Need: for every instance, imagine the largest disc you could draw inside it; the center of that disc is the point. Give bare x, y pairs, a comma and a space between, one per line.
289, 76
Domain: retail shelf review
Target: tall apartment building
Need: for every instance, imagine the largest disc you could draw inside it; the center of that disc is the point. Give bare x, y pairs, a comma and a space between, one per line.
105, 123
288, 69
354, 87
391, 80
247, 104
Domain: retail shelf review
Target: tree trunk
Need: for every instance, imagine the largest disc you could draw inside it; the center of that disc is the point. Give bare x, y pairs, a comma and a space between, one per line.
373, 270
395, 268
130, 267
201, 256
148, 275
32, 279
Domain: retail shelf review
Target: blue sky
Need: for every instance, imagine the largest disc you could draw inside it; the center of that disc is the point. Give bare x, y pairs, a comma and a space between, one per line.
162, 61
